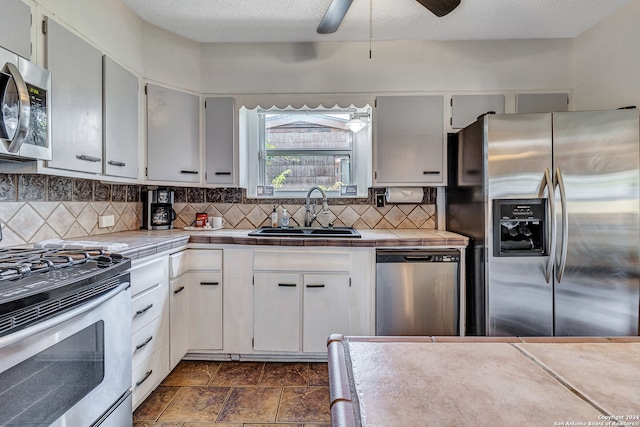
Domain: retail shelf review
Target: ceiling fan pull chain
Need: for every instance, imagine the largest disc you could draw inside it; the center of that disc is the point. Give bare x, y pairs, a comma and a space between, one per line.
370, 26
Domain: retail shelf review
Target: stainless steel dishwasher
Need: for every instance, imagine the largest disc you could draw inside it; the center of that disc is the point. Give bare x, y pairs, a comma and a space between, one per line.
417, 292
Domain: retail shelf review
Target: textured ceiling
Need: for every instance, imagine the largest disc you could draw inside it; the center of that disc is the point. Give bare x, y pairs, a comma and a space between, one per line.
297, 20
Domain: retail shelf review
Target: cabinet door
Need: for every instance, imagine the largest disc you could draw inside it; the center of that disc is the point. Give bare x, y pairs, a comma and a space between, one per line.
409, 140
15, 27
542, 102
205, 311
120, 120
465, 109
220, 162
178, 319
173, 135
76, 104
276, 312
326, 310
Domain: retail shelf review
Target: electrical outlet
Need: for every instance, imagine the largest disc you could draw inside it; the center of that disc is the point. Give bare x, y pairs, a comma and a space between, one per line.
379, 200
106, 221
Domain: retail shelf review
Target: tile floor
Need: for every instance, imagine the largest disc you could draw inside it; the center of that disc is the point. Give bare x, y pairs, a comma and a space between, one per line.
239, 394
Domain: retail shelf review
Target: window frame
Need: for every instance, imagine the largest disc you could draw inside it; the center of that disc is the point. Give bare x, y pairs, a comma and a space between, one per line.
253, 132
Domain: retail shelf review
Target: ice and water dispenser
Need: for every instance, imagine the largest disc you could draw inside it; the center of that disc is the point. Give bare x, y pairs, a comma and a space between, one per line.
519, 227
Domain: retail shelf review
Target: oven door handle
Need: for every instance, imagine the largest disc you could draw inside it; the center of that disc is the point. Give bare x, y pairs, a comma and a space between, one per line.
61, 318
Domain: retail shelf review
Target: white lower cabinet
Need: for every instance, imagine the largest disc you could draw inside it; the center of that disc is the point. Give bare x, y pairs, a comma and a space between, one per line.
149, 325
178, 319
196, 302
205, 311
276, 312
308, 298
326, 309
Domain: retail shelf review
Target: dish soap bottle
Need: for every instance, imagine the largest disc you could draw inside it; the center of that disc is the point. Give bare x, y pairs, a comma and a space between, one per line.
284, 221
274, 218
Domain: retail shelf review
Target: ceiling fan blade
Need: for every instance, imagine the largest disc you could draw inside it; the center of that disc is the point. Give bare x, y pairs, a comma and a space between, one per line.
334, 16
440, 7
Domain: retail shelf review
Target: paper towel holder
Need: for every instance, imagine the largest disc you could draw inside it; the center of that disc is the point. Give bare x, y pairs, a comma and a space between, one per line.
399, 195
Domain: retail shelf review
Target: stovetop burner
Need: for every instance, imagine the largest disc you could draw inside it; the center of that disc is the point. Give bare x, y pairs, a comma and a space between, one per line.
31, 277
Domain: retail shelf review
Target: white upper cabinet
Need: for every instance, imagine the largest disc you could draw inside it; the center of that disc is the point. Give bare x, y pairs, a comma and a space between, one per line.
120, 120
15, 27
541, 102
173, 135
409, 141
465, 109
219, 143
76, 100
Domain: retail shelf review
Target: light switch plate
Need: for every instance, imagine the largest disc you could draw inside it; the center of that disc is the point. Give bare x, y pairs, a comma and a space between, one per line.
106, 221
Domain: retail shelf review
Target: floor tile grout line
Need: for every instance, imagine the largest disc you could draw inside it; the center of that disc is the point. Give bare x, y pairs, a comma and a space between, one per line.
168, 403
226, 400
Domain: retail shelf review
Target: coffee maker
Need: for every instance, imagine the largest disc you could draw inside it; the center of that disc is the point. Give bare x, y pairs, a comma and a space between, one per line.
157, 209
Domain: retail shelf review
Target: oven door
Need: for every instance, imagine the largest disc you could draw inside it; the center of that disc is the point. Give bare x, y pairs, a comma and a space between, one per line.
71, 370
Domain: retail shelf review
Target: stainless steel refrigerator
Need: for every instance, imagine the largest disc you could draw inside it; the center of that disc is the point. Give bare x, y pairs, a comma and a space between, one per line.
551, 205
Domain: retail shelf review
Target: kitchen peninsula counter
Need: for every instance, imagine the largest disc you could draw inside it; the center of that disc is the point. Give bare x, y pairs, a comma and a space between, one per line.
141, 243
458, 381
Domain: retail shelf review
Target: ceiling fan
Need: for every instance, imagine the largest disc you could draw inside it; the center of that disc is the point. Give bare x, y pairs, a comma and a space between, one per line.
338, 9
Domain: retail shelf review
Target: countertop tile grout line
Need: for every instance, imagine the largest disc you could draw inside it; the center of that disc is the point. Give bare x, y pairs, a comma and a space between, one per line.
559, 379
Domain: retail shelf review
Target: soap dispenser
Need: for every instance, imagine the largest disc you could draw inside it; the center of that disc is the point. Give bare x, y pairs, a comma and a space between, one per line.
284, 221
274, 218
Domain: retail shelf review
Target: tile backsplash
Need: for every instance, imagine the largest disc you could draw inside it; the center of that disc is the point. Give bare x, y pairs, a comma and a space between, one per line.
38, 207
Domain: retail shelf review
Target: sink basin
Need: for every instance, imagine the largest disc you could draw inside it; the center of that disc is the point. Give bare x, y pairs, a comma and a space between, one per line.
306, 232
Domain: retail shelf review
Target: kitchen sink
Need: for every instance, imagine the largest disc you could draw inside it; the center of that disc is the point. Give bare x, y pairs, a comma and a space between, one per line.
306, 232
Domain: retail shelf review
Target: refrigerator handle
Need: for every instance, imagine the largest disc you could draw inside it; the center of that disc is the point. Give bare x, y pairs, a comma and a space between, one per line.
548, 183
559, 182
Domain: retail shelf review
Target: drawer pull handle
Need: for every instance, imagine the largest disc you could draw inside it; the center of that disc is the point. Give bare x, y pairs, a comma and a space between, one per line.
209, 283
190, 172
177, 291
147, 341
430, 172
315, 286
146, 376
223, 173
88, 158
287, 285
143, 311
116, 163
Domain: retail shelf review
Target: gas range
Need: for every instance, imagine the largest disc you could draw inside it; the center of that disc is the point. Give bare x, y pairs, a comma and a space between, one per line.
36, 284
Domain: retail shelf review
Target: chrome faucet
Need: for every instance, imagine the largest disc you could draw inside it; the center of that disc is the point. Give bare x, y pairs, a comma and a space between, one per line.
309, 217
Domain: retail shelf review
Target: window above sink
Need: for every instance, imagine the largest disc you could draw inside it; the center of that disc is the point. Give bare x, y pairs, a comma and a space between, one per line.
293, 150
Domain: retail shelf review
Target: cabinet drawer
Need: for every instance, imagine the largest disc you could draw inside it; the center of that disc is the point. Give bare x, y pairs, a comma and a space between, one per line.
146, 376
337, 261
145, 342
195, 260
147, 306
146, 275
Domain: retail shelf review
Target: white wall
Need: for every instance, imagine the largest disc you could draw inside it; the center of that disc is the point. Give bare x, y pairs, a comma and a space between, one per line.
402, 66
607, 62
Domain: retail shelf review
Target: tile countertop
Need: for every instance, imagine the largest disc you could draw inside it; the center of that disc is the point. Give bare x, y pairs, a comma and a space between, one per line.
476, 381
143, 243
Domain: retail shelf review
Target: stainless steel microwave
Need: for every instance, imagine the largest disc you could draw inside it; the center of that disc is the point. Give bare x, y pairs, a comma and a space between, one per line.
25, 118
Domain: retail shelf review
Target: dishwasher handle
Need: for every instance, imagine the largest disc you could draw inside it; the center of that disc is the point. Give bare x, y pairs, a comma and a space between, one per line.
388, 256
